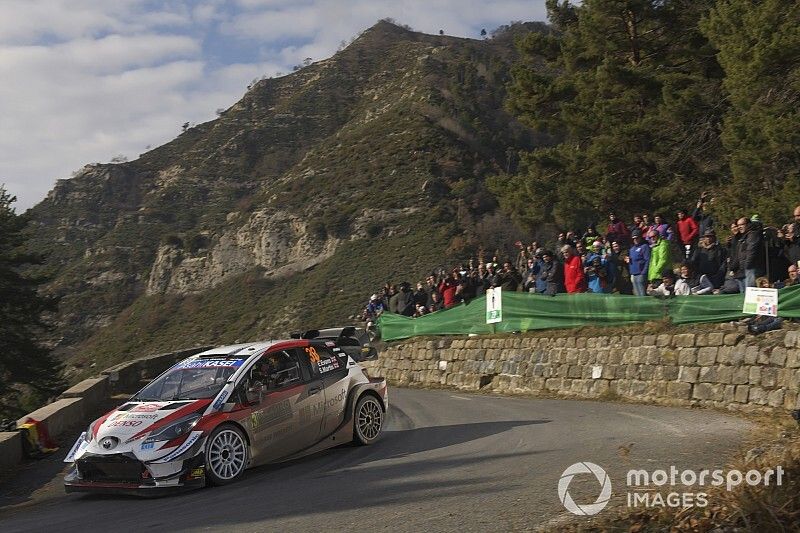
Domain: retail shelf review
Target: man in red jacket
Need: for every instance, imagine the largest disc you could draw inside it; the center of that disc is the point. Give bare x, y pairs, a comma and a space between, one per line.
687, 232
574, 280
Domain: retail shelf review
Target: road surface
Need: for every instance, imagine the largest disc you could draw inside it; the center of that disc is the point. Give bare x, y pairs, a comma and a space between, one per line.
447, 461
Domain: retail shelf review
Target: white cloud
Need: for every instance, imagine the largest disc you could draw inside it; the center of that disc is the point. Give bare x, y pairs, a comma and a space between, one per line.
85, 80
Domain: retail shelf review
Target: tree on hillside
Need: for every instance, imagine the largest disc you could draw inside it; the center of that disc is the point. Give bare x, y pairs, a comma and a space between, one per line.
759, 49
629, 91
28, 373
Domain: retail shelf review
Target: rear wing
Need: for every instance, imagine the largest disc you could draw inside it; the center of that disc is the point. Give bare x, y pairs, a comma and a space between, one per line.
353, 341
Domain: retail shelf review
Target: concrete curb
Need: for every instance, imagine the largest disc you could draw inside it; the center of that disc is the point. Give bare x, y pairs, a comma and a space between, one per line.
10, 449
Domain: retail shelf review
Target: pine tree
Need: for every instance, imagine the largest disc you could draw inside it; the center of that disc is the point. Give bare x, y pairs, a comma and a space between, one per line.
759, 49
629, 92
25, 365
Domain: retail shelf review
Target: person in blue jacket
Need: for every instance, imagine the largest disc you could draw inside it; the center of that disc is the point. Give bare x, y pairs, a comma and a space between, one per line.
638, 260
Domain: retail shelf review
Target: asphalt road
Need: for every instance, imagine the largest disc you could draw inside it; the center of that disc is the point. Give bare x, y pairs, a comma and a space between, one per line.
447, 461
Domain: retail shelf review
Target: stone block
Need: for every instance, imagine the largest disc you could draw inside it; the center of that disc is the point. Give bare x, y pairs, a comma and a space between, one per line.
687, 356
775, 398
709, 374
667, 372
663, 340
755, 375
647, 372
732, 339
793, 358
707, 355
648, 340
725, 355
575, 371
680, 391
685, 340
636, 341
778, 356
716, 339
741, 375
708, 391
791, 339
688, 374
757, 396
769, 377
728, 395
741, 393
751, 355
725, 374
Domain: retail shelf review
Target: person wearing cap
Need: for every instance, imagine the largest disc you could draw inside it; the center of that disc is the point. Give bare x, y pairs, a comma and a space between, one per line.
710, 261
551, 275
638, 261
659, 256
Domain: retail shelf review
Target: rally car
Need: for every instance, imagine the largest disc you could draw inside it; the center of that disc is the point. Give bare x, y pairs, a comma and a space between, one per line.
211, 416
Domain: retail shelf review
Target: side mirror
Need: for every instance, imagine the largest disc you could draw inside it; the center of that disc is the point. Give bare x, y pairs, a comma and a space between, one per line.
255, 393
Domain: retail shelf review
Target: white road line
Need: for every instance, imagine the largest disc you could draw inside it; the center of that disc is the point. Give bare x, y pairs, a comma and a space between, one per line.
459, 397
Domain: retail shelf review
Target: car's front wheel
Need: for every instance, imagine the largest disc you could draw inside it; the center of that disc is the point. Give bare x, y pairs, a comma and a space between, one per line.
368, 420
226, 455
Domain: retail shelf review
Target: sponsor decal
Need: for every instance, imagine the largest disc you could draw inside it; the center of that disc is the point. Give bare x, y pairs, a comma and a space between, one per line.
327, 365
79, 446
125, 423
311, 412
330, 344
210, 363
198, 472
148, 445
274, 414
220, 401
147, 407
194, 436
134, 416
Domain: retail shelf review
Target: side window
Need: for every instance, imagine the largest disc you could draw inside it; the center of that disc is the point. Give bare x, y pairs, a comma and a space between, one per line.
325, 362
276, 370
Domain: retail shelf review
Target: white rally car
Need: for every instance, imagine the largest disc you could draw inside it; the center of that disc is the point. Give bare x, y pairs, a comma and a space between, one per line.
211, 416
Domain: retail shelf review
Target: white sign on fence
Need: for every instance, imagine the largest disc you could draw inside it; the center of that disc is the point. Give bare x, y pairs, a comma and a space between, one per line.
760, 301
494, 305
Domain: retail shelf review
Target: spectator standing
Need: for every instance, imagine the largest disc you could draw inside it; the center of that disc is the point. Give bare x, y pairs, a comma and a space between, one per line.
638, 261
421, 295
659, 257
705, 221
436, 302
751, 254
617, 230
710, 260
597, 275
402, 303
448, 288
793, 239
688, 232
618, 262
522, 257
662, 227
509, 278
590, 236
551, 274
574, 279
637, 224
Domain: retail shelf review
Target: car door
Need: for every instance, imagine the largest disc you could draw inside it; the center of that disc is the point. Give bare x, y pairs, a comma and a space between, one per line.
276, 425
331, 367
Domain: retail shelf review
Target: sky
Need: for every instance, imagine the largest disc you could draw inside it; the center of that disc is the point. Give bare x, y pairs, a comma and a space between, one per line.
86, 81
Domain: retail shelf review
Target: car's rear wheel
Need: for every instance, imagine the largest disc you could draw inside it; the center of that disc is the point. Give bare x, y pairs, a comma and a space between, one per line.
226, 455
368, 420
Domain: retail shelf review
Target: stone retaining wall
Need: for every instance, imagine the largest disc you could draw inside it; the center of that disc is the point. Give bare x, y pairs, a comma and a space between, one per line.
719, 367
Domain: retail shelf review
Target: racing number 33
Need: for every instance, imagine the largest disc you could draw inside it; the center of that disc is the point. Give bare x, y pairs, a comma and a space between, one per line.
312, 354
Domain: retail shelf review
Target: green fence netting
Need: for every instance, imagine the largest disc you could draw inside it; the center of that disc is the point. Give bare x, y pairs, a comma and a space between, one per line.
526, 312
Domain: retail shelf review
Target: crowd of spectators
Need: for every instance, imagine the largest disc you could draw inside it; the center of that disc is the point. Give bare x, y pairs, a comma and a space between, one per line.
648, 256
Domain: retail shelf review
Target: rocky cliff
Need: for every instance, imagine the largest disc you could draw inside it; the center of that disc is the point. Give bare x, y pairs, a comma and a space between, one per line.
318, 185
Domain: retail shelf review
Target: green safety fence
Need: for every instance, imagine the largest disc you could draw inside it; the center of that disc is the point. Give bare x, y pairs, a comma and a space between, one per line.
526, 312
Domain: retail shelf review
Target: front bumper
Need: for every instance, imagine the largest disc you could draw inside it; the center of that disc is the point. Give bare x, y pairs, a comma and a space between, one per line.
124, 474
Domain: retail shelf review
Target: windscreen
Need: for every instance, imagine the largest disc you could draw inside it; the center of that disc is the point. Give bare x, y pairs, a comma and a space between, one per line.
194, 379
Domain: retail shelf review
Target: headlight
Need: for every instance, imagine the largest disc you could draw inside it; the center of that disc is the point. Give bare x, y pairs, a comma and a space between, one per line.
176, 429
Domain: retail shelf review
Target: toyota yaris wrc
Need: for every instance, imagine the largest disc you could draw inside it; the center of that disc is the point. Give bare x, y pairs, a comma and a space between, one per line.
213, 415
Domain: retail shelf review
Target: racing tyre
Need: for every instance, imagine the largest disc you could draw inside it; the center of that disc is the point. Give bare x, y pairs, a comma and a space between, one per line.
368, 420
226, 455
